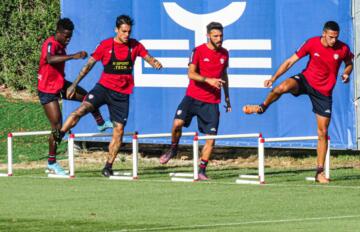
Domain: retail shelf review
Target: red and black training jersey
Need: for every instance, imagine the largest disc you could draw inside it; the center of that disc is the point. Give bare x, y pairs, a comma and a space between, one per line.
324, 63
51, 77
210, 64
122, 83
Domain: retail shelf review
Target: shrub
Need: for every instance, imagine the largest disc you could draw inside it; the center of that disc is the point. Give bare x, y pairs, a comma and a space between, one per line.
24, 25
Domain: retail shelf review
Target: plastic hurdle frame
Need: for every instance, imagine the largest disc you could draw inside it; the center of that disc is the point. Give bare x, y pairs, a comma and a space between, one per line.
71, 140
181, 177
135, 151
10, 147
304, 138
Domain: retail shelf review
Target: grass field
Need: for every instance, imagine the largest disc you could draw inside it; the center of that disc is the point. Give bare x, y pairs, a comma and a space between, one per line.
31, 202
153, 203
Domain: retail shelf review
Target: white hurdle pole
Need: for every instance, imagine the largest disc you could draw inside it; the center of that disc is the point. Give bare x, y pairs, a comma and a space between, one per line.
71, 149
305, 138
261, 160
181, 177
10, 147
261, 166
159, 135
260, 175
71, 155
135, 152
134, 174
10, 155
327, 161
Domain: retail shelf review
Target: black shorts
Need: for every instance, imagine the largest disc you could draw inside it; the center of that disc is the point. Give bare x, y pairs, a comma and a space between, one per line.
208, 114
46, 98
322, 105
117, 103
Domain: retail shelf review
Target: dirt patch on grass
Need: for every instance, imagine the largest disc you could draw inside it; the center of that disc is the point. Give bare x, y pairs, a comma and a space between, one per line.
22, 95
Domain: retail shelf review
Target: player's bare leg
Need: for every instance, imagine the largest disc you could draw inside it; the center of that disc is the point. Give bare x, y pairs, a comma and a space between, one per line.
114, 147
289, 85
322, 125
205, 156
175, 137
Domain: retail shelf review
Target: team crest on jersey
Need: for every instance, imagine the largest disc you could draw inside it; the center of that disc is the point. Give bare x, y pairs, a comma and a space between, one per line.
336, 56
91, 96
222, 60
179, 112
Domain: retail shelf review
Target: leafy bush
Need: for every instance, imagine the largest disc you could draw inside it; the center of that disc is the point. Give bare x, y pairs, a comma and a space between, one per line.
24, 25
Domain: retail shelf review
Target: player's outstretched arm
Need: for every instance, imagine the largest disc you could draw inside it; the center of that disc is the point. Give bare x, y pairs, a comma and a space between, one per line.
53, 59
285, 66
83, 72
153, 62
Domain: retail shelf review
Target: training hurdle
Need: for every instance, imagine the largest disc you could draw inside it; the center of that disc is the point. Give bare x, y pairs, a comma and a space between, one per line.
305, 138
71, 141
135, 151
10, 147
184, 177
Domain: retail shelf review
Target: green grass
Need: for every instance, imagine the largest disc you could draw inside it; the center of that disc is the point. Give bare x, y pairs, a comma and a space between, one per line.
31, 202
153, 203
17, 116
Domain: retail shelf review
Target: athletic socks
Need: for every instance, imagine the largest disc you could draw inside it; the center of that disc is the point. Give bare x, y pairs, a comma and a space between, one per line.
108, 165
51, 159
203, 165
319, 169
98, 118
174, 148
263, 108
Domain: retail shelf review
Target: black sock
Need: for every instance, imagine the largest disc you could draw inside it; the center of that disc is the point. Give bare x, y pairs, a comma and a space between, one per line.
263, 108
319, 169
52, 159
203, 165
98, 118
108, 165
174, 148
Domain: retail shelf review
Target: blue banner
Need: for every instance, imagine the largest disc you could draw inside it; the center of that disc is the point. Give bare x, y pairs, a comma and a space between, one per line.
259, 35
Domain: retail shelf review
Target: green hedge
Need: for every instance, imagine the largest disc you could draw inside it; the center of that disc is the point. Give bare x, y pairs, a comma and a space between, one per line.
24, 25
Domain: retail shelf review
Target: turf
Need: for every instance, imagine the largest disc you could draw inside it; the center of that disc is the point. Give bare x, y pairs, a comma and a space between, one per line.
17, 115
153, 203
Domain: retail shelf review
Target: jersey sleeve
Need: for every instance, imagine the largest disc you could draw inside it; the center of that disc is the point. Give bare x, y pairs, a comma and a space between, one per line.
50, 49
141, 50
99, 52
304, 49
194, 57
349, 56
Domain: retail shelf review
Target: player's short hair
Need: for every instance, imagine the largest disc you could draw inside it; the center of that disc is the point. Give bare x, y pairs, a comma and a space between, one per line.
331, 25
124, 19
214, 25
64, 24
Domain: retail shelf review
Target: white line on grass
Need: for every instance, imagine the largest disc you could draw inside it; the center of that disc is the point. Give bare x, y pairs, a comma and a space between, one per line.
204, 182
238, 223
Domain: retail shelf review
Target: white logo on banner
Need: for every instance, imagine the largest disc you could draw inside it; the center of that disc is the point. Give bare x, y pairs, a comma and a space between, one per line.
197, 23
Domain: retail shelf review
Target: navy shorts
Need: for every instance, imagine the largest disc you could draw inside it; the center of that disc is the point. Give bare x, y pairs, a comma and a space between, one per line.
117, 103
208, 114
322, 105
46, 98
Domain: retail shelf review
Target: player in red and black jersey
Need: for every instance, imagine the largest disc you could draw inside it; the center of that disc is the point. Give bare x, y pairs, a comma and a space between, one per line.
317, 80
207, 73
116, 83
52, 84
